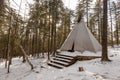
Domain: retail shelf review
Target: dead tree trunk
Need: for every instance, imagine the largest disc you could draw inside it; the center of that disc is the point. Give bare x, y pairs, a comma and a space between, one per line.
26, 57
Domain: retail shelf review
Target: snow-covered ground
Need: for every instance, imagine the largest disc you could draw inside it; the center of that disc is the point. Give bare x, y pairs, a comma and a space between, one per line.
93, 69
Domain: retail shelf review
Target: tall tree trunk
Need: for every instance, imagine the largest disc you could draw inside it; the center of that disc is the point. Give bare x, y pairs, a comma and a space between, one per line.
87, 14
65, 28
7, 51
8, 55
117, 36
39, 45
43, 45
36, 39
49, 35
52, 36
99, 25
111, 25
104, 35
9, 42
55, 22
33, 44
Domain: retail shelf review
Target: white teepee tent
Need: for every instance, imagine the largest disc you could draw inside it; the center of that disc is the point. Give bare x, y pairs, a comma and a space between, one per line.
81, 39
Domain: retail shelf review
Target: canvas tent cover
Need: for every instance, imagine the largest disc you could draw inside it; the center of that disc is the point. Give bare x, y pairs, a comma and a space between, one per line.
82, 39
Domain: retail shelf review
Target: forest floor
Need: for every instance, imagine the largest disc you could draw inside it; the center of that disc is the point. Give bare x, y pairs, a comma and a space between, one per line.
93, 69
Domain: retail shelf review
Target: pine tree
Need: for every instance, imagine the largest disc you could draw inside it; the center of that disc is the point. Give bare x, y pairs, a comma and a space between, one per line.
104, 31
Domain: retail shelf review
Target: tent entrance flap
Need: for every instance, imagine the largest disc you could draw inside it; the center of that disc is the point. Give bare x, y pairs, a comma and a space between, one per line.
72, 49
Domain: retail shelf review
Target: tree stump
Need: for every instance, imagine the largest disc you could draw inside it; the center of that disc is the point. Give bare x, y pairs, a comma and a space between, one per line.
81, 69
